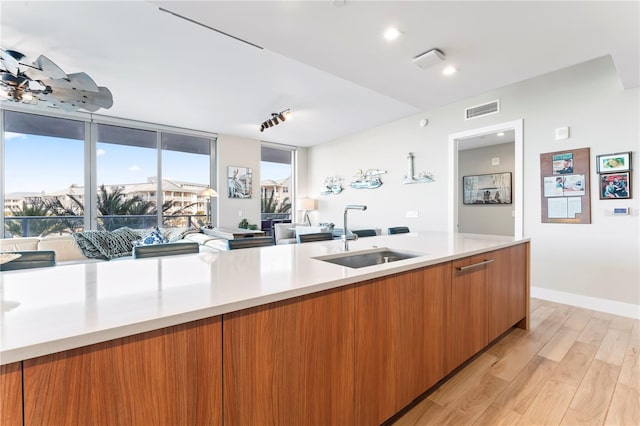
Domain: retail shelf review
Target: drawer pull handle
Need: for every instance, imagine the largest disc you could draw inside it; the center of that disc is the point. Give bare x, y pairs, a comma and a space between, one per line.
475, 265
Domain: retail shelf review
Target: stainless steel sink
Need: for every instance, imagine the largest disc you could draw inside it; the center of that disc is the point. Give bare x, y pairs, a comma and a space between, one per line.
361, 260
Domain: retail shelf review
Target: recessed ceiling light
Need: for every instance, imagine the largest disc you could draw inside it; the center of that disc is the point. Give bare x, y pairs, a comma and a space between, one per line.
449, 70
392, 33
501, 134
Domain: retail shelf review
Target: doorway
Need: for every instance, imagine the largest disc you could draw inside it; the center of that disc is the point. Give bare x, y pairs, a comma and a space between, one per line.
478, 138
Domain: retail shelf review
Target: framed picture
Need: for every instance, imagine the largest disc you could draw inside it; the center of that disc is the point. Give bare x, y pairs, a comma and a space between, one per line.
239, 182
487, 189
615, 186
610, 163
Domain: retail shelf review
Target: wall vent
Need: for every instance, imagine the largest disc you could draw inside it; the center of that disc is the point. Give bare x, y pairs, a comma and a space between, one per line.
482, 110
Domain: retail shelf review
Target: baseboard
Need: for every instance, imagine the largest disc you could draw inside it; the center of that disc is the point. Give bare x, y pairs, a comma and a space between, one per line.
603, 305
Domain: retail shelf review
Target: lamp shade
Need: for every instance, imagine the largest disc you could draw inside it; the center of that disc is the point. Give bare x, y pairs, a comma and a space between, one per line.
308, 204
208, 192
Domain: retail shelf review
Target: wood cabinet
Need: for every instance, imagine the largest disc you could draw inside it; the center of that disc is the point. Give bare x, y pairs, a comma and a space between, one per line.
508, 290
291, 362
489, 294
467, 309
399, 323
170, 376
354, 355
11, 394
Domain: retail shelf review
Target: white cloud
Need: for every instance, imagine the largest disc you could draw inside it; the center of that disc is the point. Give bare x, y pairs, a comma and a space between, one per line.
134, 168
12, 135
100, 152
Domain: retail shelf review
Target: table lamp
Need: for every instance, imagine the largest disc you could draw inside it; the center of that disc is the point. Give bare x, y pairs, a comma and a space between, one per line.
307, 204
208, 194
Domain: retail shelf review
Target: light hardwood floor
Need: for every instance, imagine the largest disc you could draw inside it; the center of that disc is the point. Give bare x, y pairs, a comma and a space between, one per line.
574, 366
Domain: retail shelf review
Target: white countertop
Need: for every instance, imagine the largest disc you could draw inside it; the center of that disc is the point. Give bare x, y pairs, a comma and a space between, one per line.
48, 310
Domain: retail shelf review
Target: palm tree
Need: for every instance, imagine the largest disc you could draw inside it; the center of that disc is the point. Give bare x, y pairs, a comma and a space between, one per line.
268, 203
32, 227
115, 203
285, 206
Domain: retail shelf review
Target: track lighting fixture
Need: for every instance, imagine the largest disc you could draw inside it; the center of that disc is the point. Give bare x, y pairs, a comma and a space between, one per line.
276, 118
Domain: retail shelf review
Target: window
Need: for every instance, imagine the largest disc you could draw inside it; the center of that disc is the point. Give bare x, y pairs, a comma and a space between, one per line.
185, 174
126, 164
142, 177
43, 175
276, 171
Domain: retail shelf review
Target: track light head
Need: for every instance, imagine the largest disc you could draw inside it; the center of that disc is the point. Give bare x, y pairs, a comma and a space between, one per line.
276, 118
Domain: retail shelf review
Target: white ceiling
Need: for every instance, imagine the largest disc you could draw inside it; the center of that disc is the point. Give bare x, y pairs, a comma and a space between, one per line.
329, 64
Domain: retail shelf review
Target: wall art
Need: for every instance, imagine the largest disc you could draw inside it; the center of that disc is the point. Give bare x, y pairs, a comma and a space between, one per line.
614, 186
332, 185
492, 188
422, 177
239, 181
611, 163
367, 180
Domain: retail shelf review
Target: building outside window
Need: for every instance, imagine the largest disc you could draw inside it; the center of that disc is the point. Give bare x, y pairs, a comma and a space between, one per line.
142, 177
276, 172
42, 175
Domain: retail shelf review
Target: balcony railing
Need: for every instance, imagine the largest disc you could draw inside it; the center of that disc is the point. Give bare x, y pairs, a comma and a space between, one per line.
40, 226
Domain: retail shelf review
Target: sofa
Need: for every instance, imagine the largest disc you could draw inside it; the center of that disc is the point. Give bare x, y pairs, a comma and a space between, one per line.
68, 250
287, 233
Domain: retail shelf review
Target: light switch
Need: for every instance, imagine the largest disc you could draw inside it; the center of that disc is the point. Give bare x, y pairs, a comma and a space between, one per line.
412, 213
240, 213
495, 161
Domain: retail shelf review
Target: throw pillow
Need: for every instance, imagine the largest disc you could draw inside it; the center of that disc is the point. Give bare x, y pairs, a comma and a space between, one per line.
105, 244
89, 250
153, 237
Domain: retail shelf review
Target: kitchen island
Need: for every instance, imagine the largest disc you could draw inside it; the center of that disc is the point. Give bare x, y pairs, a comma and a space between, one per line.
254, 336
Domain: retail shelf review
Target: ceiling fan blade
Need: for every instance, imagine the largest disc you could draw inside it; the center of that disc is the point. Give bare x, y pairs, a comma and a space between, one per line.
91, 101
8, 62
76, 81
44, 69
12, 80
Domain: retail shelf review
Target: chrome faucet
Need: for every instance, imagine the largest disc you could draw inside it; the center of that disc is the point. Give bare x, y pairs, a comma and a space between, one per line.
345, 231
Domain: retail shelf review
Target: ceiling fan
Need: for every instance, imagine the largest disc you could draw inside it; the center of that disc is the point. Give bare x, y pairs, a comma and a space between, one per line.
44, 82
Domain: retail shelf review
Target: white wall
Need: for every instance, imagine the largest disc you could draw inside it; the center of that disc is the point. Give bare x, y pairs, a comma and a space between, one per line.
494, 219
241, 152
599, 260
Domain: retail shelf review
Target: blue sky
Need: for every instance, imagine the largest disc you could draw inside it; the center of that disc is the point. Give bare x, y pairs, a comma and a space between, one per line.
38, 163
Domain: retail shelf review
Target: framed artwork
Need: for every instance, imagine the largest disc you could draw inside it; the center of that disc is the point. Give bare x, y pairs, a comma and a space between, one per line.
615, 186
611, 163
239, 182
492, 188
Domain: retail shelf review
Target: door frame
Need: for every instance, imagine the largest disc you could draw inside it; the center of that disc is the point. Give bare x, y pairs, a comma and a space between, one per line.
518, 177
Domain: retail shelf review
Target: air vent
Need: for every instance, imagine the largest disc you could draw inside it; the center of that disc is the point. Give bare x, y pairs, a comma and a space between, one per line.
482, 110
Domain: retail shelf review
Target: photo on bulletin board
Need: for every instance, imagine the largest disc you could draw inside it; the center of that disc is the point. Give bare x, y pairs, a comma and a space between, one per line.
563, 163
610, 163
614, 186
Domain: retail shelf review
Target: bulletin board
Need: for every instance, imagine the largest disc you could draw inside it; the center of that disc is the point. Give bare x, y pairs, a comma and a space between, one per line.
565, 186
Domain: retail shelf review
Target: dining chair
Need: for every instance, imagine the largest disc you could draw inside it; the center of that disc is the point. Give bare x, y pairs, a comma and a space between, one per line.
31, 259
316, 236
365, 232
398, 230
170, 249
240, 243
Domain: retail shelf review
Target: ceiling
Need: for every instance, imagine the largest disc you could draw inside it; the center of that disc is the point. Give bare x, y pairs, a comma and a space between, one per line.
326, 60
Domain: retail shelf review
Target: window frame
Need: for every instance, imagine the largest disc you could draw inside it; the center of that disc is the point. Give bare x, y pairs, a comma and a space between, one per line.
91, 122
